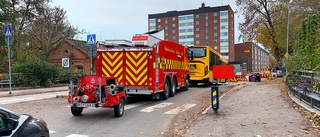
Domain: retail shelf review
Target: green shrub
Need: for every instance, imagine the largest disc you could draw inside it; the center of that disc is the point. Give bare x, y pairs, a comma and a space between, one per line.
42, 73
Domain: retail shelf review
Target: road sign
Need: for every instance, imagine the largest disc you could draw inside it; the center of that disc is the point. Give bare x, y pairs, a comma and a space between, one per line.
91, 40
8, 32
65, 63
92, 52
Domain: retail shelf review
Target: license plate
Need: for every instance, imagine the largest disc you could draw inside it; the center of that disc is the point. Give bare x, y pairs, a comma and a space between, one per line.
192, 73
86, 105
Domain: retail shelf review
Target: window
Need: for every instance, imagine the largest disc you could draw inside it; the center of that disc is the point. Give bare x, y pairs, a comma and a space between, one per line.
224, 20
174, 31
215, 21
197, 29
224, 47
152, 27
198, 52
215, 41
224, 40
197, 22
215, 14
215, 27
159, 26
197, 35
152, 21
206, 16
197, 42
207, 30
174, 18
223, 27
79, 68
159, 20
224, 34
189, 17
190, 36
173, 37
182, 30
197, 16
225, 54
173, 25
215, 34
223, 13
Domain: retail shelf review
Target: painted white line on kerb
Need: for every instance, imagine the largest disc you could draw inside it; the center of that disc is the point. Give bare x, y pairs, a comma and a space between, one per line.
180, 109
77, 135
207, 109
156, 107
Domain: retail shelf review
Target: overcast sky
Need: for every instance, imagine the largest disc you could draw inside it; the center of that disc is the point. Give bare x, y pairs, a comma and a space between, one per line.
121, 19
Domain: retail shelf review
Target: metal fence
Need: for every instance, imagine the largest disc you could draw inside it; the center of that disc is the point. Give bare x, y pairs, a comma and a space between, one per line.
305, 85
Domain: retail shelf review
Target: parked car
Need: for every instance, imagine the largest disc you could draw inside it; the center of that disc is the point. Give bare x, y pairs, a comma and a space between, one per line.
279, 73
13, 124
254, 77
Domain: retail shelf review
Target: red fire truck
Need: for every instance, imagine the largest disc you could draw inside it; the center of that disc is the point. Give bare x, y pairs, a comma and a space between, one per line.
150, 66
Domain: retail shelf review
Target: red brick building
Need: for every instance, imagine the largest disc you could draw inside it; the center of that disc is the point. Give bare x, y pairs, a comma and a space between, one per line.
77, 52
212, 26
252, 54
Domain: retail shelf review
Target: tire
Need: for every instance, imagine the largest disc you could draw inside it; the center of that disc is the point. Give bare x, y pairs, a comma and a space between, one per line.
76, 111
173, 87
119, 109
186, 84
165, 93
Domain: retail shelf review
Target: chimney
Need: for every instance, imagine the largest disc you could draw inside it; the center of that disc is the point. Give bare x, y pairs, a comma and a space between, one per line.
203, 5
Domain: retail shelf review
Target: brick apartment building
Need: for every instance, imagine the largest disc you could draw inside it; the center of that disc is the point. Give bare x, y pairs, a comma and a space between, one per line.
212, 26
252, 54
77, 52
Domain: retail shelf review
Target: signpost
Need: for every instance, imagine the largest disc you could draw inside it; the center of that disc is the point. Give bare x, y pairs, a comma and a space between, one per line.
8, 35
91, 41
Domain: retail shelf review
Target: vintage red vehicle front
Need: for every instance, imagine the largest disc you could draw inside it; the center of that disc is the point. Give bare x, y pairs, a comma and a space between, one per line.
97, 92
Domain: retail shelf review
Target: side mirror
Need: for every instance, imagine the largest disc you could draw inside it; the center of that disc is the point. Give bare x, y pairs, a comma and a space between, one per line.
191, 55
9, 126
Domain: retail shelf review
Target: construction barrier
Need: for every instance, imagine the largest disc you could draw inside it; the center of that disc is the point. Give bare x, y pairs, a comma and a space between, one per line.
234, 79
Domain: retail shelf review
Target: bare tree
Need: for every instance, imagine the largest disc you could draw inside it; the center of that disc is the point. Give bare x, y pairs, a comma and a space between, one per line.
50, 28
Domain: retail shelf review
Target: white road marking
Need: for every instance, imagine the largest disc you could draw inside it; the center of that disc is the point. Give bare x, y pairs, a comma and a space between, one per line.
180, 109
156, 107
51, 131
130, 106
77, 135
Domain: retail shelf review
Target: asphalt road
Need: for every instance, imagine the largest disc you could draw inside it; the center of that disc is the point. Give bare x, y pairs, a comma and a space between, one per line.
142, 117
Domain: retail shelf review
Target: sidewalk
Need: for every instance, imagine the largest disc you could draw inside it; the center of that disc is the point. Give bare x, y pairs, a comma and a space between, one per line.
19, 92
255, 110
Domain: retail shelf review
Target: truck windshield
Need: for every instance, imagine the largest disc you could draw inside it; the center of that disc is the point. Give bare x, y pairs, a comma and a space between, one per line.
198, 52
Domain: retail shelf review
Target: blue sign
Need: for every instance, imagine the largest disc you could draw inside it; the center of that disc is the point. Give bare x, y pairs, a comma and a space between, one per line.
91, 40
8, 32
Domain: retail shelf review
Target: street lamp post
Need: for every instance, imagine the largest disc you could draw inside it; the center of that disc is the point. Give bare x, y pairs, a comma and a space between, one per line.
288, 23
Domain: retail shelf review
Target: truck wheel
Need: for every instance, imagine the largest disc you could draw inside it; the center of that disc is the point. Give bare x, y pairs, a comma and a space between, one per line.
165, 93
119, 109
173, 87
76, 111
186, 84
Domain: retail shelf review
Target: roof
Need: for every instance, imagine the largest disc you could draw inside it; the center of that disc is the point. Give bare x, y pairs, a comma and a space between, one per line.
204, 9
